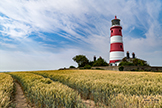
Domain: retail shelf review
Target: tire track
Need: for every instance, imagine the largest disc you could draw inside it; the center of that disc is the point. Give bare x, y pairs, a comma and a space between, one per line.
20, 99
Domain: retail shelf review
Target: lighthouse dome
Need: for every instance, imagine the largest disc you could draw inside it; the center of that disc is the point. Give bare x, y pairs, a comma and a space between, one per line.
115, 21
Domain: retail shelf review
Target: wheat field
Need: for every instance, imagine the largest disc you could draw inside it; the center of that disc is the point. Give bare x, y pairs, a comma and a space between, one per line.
113, 89
70, 88
45, 93
6, 90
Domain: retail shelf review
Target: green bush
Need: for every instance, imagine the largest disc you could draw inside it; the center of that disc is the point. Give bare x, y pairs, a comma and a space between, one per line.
87, 67
133, 62
100, 62
81, 60
72, 67
121, 68
125, 63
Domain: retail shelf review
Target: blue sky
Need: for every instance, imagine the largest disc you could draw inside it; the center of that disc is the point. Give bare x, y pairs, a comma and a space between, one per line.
47, 34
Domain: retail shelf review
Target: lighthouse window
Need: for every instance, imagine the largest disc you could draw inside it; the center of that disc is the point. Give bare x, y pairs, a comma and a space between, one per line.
111, 31
119, 30
121, 46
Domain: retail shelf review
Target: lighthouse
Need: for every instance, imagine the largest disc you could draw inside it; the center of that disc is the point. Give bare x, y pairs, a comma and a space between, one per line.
116, 43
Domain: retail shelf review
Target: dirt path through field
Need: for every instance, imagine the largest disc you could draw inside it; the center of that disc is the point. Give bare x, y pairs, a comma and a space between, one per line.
89, 103
20, 99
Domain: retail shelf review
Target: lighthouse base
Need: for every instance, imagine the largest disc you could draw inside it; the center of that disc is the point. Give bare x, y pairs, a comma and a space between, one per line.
115, 63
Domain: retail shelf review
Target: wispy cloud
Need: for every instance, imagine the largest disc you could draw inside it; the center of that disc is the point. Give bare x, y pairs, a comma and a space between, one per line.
8, 45
53, 26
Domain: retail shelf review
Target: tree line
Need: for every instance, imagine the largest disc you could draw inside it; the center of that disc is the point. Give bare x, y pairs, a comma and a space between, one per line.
83, 62
133, 62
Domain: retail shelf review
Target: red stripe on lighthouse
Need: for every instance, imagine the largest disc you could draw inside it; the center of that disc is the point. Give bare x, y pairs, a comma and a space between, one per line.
116, 30
113, 61
116, 47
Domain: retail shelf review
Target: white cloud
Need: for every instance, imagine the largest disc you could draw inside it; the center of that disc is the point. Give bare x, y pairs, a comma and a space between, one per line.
15, 60
84, 22
8, 45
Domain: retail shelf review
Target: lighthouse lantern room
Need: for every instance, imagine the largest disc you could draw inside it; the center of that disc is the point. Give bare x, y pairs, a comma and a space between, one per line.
116, 43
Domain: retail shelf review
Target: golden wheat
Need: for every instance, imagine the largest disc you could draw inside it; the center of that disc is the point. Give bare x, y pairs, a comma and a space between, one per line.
45, 93
132, 89
6, 89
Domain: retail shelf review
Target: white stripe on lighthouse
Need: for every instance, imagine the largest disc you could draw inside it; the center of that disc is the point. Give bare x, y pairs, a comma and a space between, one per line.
116, 55
116, 38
